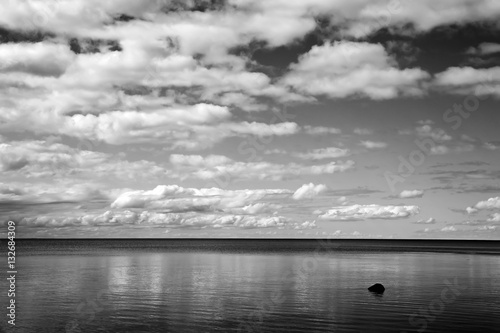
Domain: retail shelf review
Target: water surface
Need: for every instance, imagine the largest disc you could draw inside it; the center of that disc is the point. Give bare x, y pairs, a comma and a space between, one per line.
197, 286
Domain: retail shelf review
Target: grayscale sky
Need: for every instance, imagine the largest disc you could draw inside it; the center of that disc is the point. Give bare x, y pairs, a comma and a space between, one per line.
250, 118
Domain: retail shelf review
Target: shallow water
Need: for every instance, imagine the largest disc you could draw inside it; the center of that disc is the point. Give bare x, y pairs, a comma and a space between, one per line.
154, 289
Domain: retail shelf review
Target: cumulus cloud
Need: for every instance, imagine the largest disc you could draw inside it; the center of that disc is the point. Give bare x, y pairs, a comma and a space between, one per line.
200, 125
449, 229
491, 203
411, 194
146, 218
246, 20
488, 205
485, 49
364, 212
352, 68
362, 131
471, 210
45, 159
228, 169
53, 192
492, 145
436, 134
494, 217
175, 198
308, 191
323, 153
373, 144
43, 58
430, 220
320, 130
436, 141
469, 81
307, 225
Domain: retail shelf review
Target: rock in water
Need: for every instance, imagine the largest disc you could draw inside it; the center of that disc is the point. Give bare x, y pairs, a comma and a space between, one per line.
377, 288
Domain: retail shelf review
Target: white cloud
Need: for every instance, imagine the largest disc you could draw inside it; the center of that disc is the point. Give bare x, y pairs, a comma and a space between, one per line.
363, 212
198, 160
439, 150
373, 144
175, 198
275, 151
436, 134
471, 210
245, 21
309, 191
491, 203
469, 80
436, 141
320, 130
146, 218
43, 58
342, 200
229, 170
411, 194
188, 127
43, 159
323, 153
492, 145
485, 49
495, 217
53, 192
362, 131
430, 220
349, 68
307, 225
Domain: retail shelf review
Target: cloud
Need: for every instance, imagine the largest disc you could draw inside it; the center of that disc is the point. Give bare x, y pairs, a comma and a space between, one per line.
492, 145
323, 153
364, 212
430, 220
471, 210
348, 68
411, 194
491, 203
436, 134
148, 219
469, 81
373, 144
53, 192
175, 198
308, 191
45, 159
486, 231
43, 58
275, 151
307, 225
485, 49
226, 24
320, 130
198, 160
227, 170
495, 217
362, 131
189, 127
436, 141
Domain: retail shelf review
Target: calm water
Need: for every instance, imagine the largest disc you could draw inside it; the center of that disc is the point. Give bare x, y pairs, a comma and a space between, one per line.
209, 287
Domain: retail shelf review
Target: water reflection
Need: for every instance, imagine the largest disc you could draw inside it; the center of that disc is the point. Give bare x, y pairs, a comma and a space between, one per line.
192, 292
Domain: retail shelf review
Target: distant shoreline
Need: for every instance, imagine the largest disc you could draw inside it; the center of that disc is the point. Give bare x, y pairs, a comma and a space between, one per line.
256, 245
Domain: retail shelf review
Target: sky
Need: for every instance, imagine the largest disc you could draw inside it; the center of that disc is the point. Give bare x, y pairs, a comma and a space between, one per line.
250, 118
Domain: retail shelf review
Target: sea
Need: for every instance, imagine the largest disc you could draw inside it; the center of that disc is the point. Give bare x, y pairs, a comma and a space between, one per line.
253, 285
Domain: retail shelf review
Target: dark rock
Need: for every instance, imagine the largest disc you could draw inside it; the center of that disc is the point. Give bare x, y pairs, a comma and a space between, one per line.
377, 288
